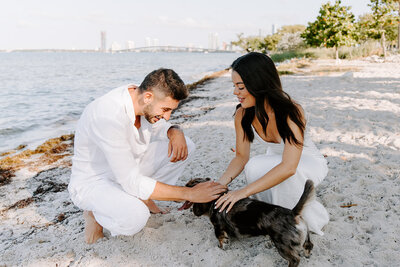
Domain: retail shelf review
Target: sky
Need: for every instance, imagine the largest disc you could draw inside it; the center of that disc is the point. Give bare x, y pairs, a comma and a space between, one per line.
76, 24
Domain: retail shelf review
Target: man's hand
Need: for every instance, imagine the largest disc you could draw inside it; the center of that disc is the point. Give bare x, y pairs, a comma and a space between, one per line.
177, 144
154, 209
206, 192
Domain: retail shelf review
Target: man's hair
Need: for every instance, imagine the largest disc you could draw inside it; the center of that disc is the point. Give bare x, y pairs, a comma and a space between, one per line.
166, 81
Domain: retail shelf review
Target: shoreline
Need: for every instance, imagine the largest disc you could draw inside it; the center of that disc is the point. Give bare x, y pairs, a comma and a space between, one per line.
55, 149
351, 119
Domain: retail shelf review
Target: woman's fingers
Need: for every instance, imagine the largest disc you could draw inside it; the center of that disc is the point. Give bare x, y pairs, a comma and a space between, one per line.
230, 206
221, 200
218, 202
227, 200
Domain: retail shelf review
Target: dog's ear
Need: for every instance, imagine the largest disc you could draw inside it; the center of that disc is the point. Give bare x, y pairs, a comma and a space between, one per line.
191, 183
196, 181
201, 208
186, 205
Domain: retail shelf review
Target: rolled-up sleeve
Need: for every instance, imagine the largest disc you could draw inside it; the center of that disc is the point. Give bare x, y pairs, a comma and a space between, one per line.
160, 129
110, 135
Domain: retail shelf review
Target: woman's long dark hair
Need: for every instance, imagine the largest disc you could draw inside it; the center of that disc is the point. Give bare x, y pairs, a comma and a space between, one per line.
261, 79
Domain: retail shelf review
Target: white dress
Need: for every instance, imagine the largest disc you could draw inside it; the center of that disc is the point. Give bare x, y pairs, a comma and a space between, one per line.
312, 165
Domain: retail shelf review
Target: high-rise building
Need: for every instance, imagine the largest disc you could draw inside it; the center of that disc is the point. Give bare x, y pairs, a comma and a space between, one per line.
148, 42
273, 29
103, 42
130, 45
115, 47
213, 41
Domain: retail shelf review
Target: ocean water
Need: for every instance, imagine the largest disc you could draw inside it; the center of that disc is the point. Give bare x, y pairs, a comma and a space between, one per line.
43, 94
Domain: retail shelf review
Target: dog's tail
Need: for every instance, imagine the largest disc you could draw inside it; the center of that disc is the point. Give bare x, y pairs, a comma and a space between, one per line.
307, 196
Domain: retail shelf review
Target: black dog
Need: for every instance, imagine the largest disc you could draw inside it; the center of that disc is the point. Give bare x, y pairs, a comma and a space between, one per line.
287, 229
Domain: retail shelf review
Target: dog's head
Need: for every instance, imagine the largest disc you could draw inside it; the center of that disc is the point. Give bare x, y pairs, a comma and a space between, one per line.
198, 208
196, 181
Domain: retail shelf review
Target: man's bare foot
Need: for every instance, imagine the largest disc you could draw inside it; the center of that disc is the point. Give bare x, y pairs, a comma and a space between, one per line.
93, 230
153, 207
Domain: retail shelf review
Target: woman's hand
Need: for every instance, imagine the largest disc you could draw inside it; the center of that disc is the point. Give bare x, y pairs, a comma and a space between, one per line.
230, 199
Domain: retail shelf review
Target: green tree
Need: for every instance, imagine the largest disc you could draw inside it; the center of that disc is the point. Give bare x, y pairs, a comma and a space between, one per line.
334, 27
271, 41
250, 44
384, 21
363, 26
257, 43
289, 37
291, 29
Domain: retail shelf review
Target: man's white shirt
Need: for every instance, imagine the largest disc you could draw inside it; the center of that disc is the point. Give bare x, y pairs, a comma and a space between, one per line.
109, 146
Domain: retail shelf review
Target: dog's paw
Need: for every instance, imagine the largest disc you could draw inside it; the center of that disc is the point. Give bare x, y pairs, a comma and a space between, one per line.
307, 253
308, 246
224, 244
223, 241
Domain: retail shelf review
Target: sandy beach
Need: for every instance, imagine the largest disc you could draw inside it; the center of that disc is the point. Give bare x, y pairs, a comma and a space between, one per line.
353, 118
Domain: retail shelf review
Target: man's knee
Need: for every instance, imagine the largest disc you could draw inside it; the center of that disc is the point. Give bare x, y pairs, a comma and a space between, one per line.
190, 145
132, 221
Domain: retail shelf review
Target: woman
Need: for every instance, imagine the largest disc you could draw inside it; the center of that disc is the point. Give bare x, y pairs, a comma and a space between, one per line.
268, 114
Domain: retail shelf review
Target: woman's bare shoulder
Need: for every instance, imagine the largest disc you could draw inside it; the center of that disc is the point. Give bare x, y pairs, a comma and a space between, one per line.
238, 116
299, 106
291, 123
239, 113
302, 112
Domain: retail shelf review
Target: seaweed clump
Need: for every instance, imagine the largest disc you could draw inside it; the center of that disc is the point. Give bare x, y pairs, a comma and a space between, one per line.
47, 153
5, 176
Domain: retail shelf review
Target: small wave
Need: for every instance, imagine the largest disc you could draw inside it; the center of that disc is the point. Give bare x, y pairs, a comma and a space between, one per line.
16, 130
10, 131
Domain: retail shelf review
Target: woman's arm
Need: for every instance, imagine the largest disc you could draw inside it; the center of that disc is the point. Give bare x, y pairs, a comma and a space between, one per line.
278, 174
242, 152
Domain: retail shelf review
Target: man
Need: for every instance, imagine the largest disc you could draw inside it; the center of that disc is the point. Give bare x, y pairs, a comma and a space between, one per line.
126, 154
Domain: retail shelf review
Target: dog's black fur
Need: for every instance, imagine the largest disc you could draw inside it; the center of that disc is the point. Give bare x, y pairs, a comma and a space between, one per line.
287, 229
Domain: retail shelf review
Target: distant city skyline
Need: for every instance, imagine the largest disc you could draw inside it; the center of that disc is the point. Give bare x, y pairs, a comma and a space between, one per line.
51, 24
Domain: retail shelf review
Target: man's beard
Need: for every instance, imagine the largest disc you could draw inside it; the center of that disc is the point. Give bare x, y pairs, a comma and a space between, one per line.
149, 116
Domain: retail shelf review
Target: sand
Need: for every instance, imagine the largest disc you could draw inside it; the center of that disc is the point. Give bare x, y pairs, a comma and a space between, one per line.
353, 118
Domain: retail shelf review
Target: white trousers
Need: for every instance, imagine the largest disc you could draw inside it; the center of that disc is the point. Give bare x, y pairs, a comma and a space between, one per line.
122, 213
288, 193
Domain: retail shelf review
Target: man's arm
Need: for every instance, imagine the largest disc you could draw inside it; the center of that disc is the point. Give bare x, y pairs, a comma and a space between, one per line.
201, 193
109, 134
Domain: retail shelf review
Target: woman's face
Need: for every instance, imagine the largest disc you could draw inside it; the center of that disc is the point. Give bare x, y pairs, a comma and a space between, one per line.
244, 97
